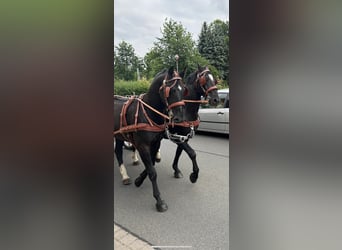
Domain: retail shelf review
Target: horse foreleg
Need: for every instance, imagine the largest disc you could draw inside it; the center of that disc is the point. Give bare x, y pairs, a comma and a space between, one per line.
192, 155
177, 173
118, 152
152, 174
140, 179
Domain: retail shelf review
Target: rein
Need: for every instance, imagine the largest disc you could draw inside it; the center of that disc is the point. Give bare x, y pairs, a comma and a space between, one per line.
197, 101
153, 109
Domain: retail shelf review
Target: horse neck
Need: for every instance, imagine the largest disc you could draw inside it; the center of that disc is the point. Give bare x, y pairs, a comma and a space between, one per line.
191, 109
152, 98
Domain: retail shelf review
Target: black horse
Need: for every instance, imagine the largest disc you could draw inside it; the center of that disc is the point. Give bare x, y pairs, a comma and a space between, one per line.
142, 121
199, 83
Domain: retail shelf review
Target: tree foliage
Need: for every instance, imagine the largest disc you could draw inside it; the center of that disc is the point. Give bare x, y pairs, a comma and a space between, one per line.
126, 62
213, 44
211, 50
175, 40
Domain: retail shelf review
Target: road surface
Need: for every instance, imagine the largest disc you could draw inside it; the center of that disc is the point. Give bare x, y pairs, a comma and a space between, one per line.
198, 214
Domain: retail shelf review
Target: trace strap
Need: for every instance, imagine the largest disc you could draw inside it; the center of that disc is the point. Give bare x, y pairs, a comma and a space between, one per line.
150, 126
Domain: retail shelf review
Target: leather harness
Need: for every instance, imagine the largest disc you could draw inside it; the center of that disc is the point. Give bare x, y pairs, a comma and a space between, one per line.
151, 125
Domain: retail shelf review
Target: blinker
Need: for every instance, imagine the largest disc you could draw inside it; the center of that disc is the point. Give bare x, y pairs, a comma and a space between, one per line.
202, 80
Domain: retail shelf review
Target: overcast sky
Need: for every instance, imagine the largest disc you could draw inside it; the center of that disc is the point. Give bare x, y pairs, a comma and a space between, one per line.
138, 22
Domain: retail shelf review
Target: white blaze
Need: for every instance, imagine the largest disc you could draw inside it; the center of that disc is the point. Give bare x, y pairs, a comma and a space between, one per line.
211, 77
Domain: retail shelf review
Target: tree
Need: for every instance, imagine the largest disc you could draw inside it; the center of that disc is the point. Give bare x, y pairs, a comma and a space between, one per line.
126, 62
203, 43
213, 45
175, 40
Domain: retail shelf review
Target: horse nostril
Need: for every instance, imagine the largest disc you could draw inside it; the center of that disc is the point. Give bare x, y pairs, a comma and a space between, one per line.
215, 101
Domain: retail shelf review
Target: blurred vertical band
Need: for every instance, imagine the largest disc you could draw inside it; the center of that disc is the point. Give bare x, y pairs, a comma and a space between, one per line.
56, 159
285, 125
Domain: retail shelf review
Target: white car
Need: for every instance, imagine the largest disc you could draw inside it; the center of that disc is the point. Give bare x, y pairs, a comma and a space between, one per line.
215, 119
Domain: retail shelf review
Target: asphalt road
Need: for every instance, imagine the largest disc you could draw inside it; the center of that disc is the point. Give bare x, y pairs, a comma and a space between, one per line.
198, 214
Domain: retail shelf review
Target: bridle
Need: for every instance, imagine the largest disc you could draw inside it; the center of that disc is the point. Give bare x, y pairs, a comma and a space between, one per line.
166, 92
201, 82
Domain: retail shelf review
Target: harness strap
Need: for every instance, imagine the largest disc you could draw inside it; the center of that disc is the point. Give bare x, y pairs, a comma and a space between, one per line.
123, 121
186, 123
147, 117
175, 104
154, 110
150, 126
197, 101
139, 126
210, 89
203, 72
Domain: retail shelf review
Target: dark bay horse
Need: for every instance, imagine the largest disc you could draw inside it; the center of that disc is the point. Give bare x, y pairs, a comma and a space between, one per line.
199, 83
142, 121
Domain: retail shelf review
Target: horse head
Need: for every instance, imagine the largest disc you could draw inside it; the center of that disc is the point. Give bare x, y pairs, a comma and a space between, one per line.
207, 84
172, 92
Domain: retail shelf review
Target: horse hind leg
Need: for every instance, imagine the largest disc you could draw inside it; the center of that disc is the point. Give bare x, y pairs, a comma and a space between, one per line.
125, 178
135, 157
118, 152
158, 156
140, 179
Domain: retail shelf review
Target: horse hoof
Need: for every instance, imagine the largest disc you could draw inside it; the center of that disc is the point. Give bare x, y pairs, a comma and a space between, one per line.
138, 182
178, 175
126, 181
193, 177
135, 163
161, 207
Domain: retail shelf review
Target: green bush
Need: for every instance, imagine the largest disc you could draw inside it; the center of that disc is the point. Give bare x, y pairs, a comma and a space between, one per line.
124, 88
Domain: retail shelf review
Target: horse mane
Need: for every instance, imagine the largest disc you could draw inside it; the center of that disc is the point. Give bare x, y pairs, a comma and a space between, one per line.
158, 80
191, 78
159, 74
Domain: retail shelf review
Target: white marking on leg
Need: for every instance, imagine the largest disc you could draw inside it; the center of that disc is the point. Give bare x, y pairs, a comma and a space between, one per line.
123, 172
135, 156
158, 156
